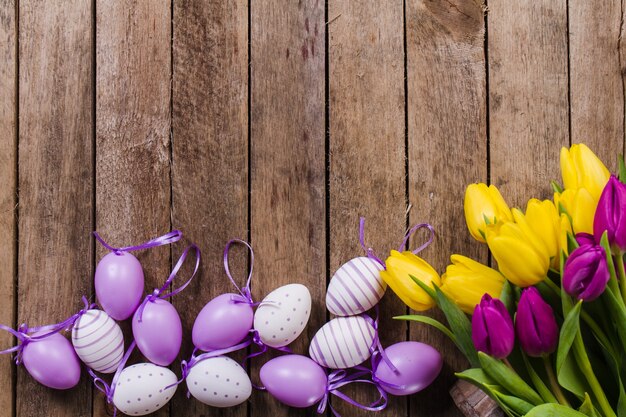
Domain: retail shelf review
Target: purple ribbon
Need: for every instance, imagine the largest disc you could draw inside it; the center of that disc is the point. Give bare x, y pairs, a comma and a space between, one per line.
376, 346
245, 291
256, 339
166, 239
109, 390
158, 292
23, 333
341, 378
368, 250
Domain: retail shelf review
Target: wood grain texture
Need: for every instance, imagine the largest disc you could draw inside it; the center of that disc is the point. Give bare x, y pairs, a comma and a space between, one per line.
446, 150
367, 151
210, 155
528, 99
596, 83
288, 226
55, 182
8, 193
133, 76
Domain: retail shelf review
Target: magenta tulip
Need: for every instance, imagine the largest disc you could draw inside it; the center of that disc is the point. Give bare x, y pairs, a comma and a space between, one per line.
585, 239
611, 214
535, 325
586, 273
492, 328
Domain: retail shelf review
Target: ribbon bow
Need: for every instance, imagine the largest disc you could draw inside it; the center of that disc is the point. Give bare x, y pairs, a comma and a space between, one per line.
245, 291
166, 239
24, 333
341, 378
158, 292
109, 390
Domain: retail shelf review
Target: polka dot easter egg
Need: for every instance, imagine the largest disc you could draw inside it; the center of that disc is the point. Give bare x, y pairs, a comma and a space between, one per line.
98, 341
283, 314
343, 342
219, 382
356, 287
141, 389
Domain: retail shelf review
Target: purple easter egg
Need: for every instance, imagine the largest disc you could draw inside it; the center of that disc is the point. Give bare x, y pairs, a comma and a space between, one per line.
52, 361
160, 332
294, 380
418, 365
222, 322
119, 284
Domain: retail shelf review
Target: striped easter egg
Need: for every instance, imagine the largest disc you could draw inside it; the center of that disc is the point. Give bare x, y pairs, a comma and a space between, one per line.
98, 341
343, 342
356, 287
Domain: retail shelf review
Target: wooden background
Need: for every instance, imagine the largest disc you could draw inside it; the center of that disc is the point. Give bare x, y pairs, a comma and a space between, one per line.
281, 122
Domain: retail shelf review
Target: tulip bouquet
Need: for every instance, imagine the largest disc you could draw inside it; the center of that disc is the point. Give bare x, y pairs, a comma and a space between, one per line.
545, 330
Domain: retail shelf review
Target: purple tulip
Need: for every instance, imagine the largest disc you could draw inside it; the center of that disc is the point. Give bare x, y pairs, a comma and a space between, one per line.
611, 214
585, 239
535, 325
492, 328
586, 273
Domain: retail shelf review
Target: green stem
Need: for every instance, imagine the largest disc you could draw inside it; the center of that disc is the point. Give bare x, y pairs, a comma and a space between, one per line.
585, 368
622, 273
554, 384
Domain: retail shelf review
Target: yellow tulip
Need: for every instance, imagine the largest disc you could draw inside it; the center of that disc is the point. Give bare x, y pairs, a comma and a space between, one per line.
466, 281
399, 267
484, 202
580, 206
581, 168
546, 222
565, 228
522, 256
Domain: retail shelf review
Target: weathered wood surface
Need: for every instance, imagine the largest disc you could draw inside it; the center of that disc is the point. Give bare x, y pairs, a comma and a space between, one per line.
55, 182
282, 123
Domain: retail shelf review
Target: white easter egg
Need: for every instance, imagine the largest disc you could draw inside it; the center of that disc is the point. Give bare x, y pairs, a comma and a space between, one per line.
283, 315
343, 342
141, 389
355, 287
98, 341
219, 382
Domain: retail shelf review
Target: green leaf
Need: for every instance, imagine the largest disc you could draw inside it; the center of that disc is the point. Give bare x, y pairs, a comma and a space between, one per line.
478, 377
520, 406
556, 187
459, 323
541, 387
567, 370
507, 296
554, 410
622, 169
587, 407
431, 322
572, 243
509, 379
613, 282
618, 314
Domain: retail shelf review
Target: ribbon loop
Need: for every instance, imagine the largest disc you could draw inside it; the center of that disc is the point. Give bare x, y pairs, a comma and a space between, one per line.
376, 347
166, 239
245, 291
340, 378
368, 250
158, 293
414, 229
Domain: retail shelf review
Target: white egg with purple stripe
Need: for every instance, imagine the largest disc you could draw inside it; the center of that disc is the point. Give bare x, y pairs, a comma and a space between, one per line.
219, 382
283, 314
98, 341
143, 389
343, 342
356, 287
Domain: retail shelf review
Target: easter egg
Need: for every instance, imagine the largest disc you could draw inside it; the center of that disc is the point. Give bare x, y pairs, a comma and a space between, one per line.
343, 342
119, 284
294, 380
283, 315
141, 389
222, 322
98, 341
418, 364
355, 287
160, 332
52, 361
219, 382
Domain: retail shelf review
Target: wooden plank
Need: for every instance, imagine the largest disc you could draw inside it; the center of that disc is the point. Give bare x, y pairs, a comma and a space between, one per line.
367, 151
8, 193
447, 150
133, 117
528, 98
55, 181
210, 154
596, 84
288, 226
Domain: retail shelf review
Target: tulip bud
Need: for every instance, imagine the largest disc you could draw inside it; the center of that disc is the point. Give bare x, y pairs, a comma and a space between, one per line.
581, 168
585, 239
465, 282
586, 273
399, 268
484, 202
535, 325
611, 214
492, 328
580, 206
